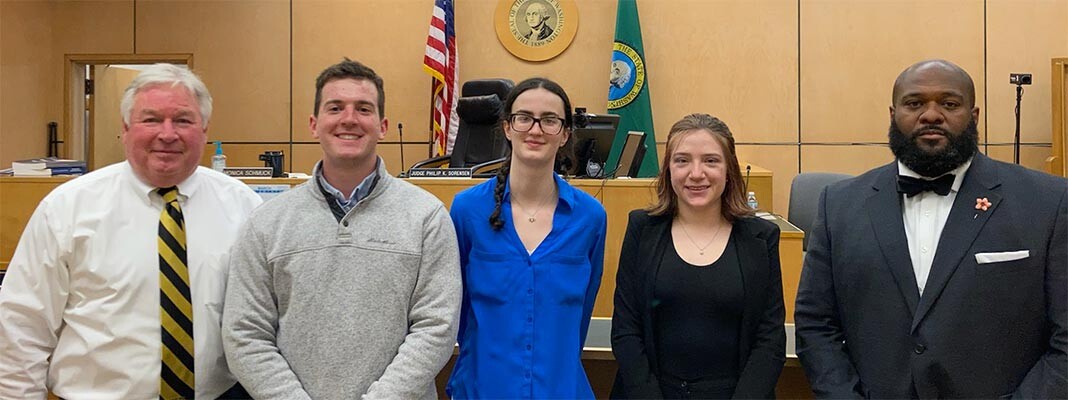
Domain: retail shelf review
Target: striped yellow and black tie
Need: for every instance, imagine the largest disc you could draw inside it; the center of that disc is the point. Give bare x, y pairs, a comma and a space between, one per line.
176, 310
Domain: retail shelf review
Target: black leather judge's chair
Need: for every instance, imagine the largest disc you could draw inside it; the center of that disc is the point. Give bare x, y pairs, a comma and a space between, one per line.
805, 192
478, 145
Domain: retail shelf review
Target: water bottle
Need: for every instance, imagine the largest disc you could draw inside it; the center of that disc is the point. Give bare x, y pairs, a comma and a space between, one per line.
218, 161
751, 199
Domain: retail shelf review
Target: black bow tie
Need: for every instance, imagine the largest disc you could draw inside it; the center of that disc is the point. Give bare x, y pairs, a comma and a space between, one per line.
912, 186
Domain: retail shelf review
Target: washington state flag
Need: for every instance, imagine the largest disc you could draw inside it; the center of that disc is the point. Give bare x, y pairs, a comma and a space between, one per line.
628, 89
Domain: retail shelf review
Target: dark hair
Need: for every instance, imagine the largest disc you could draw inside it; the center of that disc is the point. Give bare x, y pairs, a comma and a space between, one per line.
566, 152
732, 201
348, 69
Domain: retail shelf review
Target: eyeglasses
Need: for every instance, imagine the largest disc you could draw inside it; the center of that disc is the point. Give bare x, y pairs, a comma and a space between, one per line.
524, 122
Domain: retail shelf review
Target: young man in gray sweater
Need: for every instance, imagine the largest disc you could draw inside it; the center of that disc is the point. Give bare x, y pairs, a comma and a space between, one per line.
348, 285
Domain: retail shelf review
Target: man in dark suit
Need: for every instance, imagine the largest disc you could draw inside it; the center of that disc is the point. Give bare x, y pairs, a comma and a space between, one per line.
942, 274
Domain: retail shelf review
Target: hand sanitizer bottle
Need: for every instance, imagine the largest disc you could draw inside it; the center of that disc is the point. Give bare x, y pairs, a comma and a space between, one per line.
751, 199
218, 161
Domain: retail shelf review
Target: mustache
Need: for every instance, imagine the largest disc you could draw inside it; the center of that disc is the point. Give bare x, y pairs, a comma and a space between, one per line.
928, 128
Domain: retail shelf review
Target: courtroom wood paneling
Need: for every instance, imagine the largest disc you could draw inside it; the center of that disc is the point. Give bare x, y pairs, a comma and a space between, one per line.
781, 161
1033, 157
242, 54
29, 80
1022, 37
734, 59
853, 160
20, 198
388, 36
305, 156
851, 52
93, 27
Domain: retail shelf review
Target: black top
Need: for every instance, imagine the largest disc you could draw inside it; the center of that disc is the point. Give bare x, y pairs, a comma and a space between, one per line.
698, 314
762, 339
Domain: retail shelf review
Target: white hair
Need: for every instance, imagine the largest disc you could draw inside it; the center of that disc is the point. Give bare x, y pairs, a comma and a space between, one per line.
162, 74
619, 80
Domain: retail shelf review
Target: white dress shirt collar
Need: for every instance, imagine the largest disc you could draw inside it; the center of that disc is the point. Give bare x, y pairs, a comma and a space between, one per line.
186, 188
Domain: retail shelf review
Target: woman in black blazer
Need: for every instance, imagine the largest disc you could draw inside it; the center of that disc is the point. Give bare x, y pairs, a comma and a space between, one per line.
698, 303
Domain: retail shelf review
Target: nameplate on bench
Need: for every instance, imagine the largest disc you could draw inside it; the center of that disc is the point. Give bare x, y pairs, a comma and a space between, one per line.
248, 172
439, 173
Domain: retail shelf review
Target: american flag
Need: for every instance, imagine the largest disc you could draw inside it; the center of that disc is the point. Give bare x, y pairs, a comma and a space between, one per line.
441, 62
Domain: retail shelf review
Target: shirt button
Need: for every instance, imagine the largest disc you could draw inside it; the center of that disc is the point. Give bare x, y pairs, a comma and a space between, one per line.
924, 249
920, 348
529, 347
927, 213
528, 375
530, 291
346, 223
530, 319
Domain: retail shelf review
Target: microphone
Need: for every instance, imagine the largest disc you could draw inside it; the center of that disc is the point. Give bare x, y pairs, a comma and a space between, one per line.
748, 167
400, 132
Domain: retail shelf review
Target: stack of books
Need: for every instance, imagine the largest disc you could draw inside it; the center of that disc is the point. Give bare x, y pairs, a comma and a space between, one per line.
47, 166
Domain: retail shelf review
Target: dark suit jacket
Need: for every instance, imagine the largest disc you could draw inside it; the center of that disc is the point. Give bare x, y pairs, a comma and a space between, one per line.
762, 339
980, 330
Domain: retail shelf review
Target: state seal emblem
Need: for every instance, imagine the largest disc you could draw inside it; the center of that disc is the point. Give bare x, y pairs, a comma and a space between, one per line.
535, 22
626, 78
536, 30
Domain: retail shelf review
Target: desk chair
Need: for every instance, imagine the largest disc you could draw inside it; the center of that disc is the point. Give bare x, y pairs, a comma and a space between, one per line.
478, 145
805, 192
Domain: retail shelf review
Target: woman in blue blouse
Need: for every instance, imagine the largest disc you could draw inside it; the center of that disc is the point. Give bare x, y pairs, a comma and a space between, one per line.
531, 254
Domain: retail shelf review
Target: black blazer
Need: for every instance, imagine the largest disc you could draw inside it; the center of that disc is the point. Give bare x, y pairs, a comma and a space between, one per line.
980, 330
762, 338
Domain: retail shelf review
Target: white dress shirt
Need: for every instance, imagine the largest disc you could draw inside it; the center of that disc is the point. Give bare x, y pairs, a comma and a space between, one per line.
925, 215
83, 287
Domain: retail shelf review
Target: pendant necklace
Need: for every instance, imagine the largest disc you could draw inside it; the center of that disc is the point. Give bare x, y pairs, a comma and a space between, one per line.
531, 217
701, 249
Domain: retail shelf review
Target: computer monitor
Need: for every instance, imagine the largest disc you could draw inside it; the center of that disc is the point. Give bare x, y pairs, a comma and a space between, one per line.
630, 159
593, 142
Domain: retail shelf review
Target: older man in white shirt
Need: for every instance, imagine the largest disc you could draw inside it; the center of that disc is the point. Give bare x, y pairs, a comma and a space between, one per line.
115, 290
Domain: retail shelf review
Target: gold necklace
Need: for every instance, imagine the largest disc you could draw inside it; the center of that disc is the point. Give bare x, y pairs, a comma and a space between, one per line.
531, 216
701, 249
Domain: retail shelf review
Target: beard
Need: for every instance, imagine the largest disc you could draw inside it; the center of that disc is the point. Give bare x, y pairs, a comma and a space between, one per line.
960, 148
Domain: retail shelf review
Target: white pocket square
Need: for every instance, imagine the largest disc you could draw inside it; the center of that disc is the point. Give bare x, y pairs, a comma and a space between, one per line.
987, 258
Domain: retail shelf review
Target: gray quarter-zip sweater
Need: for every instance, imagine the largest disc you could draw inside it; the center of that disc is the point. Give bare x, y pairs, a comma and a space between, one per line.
365, 307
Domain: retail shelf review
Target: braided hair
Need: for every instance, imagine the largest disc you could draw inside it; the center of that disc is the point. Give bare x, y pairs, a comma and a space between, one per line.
566, 152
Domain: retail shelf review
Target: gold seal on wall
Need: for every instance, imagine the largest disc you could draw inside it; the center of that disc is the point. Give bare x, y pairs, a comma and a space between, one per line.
536, 30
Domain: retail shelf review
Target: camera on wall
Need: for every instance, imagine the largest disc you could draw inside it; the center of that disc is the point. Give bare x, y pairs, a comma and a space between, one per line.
1020, 79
